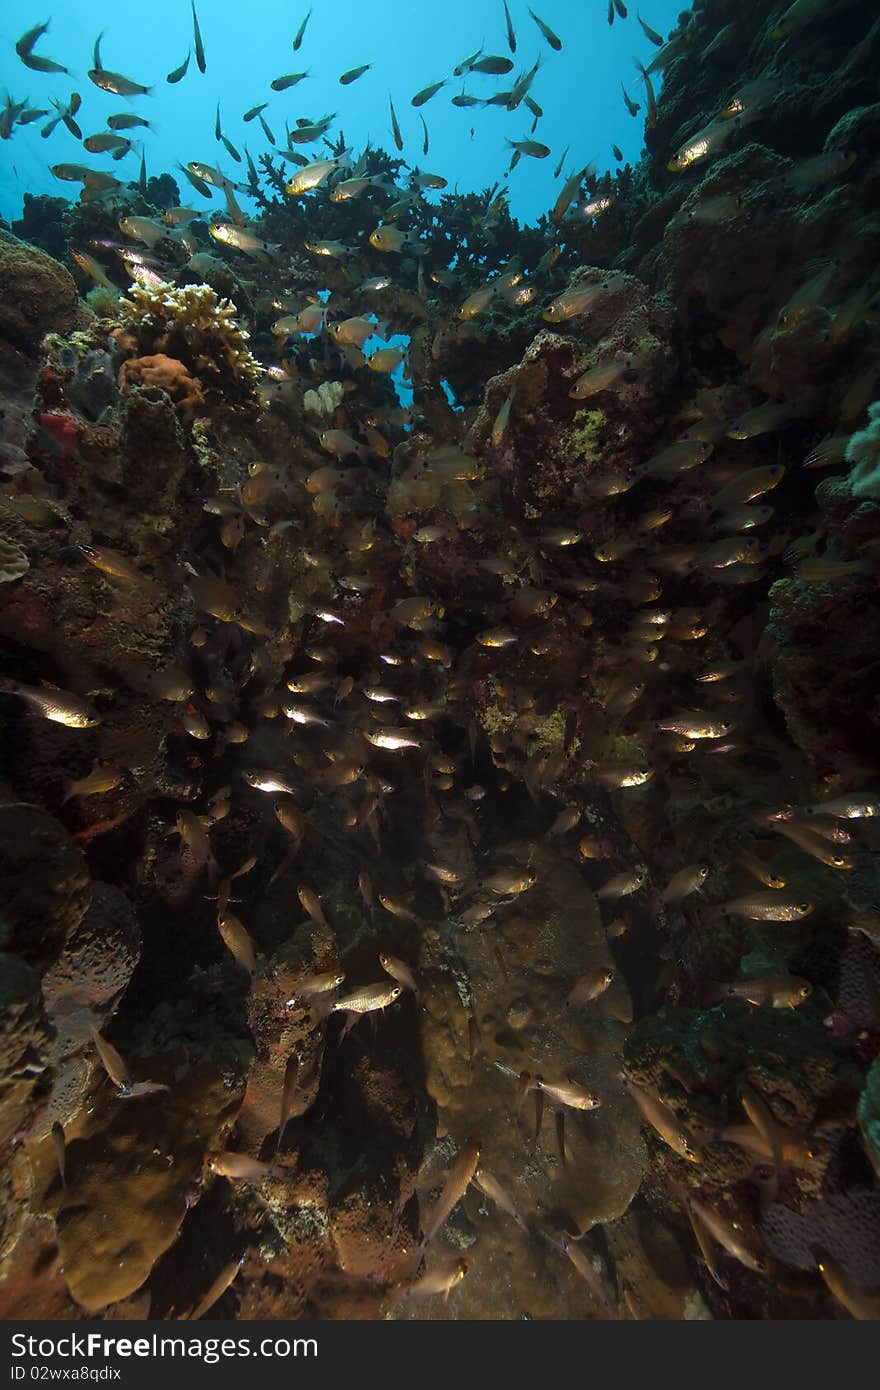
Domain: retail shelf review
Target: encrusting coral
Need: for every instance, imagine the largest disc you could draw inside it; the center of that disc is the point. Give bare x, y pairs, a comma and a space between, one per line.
13, 560
325, 400
165, 372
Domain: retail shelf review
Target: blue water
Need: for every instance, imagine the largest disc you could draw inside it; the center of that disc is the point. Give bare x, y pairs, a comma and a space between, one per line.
410, 45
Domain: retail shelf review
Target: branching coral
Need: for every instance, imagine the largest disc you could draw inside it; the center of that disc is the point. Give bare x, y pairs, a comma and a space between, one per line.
193, 306
193, 325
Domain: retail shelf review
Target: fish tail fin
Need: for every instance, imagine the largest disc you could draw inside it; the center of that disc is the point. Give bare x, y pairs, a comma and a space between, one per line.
560, 1137
322, 1009
539, 1108
351, 1019
410, 1268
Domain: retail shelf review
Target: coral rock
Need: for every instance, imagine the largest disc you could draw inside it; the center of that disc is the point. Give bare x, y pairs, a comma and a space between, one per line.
13, 560
99, 955
127, 1182
44, 884
23, 1038
37, 295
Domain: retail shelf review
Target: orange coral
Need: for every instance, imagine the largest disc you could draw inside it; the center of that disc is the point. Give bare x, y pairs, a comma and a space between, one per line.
167, 372
125, 340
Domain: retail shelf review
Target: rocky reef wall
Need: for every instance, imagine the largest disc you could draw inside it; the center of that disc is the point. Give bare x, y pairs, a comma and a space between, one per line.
537, 721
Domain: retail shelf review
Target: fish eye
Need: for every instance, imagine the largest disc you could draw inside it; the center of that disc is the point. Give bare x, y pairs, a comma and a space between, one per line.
804, 907
806, 991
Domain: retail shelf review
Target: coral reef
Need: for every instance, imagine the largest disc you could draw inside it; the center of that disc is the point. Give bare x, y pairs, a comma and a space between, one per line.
188, 329
458, 818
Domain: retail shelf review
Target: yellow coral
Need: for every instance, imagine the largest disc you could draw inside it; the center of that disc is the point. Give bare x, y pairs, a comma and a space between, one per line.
589, 426
195, 309
551, 732
495, 720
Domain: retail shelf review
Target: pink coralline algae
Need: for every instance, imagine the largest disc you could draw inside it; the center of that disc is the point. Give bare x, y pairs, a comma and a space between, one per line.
62, 430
